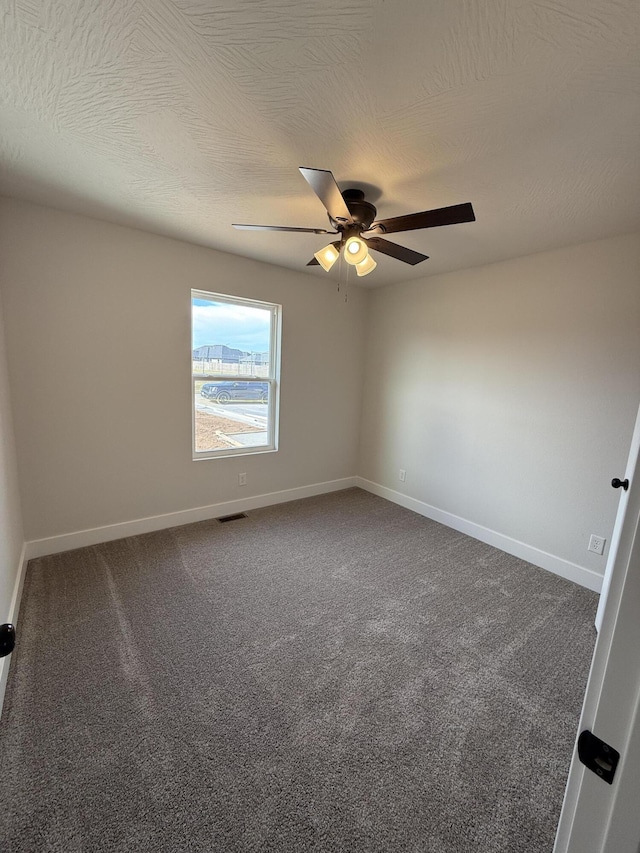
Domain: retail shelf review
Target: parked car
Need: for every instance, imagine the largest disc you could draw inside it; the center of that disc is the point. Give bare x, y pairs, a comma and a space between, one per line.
224, 391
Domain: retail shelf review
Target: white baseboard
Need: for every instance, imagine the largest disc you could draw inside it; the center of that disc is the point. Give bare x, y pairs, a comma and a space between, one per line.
96, 535
571, 571
14, 610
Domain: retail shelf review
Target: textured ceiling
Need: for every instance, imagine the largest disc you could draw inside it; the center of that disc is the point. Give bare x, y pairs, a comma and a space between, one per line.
182, 116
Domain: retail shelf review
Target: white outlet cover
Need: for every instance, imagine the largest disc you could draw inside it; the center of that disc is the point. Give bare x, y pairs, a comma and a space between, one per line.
596, 544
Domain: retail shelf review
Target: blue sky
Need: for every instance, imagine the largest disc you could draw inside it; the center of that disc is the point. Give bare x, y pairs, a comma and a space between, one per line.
236, 326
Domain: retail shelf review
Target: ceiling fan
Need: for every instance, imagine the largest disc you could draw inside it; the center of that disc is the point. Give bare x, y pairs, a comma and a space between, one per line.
354, 219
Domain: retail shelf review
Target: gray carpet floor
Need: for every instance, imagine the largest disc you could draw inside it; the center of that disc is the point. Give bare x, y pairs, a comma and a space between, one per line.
332, 674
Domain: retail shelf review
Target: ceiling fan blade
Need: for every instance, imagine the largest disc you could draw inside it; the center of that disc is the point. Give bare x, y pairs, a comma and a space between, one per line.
427, 219
282, 228
325, 187
401, 253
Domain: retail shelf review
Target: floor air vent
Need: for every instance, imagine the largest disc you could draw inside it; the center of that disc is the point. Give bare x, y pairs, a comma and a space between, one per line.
233, 517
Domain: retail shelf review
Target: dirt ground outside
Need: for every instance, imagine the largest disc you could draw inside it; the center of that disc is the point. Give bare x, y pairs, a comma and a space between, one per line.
212, 431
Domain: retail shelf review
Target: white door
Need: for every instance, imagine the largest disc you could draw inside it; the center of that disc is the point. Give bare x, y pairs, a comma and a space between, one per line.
598, 817
615, 536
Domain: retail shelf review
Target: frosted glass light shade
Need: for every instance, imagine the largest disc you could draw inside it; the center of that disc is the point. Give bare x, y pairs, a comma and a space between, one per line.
327, 257
355, 250
366, 266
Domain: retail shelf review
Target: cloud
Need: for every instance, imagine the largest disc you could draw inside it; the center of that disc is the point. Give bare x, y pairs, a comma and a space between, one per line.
236, 326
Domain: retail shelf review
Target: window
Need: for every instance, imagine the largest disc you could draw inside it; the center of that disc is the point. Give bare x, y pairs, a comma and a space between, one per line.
235, 363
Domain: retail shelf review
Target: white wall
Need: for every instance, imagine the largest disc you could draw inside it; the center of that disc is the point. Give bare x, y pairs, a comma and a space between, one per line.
11, 535
99, 358
509, 392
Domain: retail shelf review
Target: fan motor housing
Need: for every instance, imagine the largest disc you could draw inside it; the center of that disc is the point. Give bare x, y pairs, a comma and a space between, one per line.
362, 212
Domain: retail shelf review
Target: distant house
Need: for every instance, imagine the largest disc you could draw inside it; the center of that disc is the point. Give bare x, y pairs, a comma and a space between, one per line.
255, 358
219, 352
229, 355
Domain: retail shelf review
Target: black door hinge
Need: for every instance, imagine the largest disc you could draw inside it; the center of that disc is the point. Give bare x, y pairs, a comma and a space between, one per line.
598, 756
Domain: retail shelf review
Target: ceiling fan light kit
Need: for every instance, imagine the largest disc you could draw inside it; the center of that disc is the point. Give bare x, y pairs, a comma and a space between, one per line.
355, 251
354, 219
366, 266
327, 257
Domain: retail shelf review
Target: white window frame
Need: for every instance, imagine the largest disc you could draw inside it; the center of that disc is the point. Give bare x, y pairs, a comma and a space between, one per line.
273, 406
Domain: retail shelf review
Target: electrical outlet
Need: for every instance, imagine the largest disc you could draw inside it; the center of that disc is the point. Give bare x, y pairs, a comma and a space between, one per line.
596, 544
402, 475
242, 479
